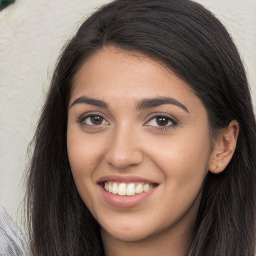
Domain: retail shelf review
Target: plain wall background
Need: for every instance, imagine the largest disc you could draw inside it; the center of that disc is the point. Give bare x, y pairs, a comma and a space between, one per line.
32, 34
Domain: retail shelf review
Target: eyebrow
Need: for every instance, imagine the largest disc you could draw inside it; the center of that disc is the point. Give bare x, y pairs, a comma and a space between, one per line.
155, 102
143, 104
90, 101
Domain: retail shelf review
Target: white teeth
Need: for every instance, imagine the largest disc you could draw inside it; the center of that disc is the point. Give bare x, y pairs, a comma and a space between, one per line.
139, 189
146, 188
122, 189
110, 188
115, 188
129, 189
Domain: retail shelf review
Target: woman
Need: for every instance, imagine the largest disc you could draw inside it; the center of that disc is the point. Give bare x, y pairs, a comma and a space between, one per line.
146, 143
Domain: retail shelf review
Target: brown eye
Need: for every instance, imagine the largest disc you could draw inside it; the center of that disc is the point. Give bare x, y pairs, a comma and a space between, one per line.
162, 120
96, 120
93, 120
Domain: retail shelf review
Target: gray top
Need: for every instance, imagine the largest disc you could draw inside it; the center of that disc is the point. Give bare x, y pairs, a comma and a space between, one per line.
12, 242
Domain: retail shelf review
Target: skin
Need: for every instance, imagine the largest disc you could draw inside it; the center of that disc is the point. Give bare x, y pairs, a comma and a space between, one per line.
129, 141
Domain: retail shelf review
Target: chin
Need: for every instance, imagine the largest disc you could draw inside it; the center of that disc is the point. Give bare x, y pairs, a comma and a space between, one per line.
130, 231
127, 233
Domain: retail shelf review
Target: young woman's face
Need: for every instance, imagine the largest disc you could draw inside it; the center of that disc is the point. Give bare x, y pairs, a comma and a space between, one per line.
138, 144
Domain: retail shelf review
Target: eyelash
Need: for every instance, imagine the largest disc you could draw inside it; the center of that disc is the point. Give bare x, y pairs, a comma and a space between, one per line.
171, 121
82, 120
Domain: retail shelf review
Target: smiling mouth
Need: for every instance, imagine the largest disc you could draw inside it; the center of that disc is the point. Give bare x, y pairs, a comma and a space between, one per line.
127, 189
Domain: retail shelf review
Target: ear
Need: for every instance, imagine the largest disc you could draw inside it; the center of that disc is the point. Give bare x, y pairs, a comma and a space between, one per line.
224, 147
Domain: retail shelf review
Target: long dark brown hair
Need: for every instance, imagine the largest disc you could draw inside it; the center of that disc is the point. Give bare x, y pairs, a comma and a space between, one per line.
195, 45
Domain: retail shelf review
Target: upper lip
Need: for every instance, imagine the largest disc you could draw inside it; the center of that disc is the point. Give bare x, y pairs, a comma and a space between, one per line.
125, 179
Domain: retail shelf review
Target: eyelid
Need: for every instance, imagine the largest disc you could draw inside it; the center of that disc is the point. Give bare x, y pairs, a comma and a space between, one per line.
86, 115
168, 116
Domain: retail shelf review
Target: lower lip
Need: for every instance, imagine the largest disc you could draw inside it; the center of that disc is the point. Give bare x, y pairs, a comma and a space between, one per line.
125, 201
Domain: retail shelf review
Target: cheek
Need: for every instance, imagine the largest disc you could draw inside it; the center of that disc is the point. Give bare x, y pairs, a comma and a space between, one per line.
84, 156
185, 159
191, 149
184, 164
84, 152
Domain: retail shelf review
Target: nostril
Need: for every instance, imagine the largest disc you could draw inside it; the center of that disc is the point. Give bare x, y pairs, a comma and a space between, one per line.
124, 158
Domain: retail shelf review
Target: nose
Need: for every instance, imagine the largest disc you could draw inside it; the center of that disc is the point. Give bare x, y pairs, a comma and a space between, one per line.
124, 150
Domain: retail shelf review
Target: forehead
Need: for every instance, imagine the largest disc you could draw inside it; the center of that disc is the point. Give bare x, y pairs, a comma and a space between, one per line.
113, 69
